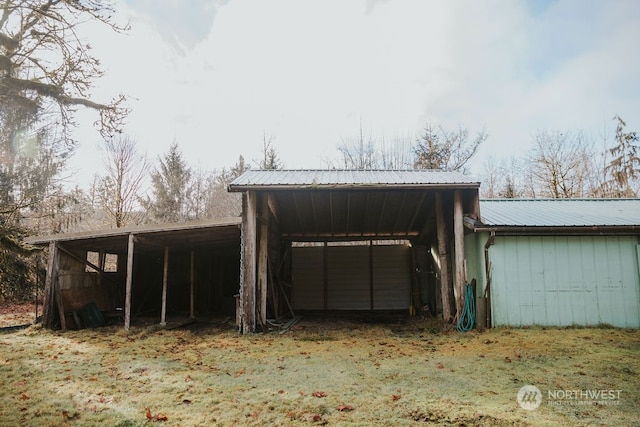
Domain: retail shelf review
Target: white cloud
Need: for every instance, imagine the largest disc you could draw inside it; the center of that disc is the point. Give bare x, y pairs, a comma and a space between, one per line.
308, 73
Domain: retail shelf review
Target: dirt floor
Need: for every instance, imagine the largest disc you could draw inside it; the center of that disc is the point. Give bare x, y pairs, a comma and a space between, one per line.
324, 371
14, 314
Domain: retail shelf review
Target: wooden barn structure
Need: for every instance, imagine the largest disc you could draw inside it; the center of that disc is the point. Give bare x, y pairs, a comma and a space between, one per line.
366, 241
351, 240
188, 269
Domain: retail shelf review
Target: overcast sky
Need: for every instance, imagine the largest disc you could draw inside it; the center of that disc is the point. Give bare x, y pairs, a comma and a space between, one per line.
216, 75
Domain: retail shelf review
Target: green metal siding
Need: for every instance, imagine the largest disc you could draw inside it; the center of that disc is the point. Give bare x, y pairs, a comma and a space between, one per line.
565, 280
474, 257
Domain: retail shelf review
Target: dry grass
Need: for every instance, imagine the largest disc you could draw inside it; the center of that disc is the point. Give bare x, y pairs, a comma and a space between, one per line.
321, 372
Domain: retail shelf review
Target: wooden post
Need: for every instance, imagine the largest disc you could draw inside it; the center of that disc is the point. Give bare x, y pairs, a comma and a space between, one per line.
325, 276
371, 275
192, 287
52, 277
458, 239
263, 252
165, 278
129, 283
446, 290
60, 305
248, 264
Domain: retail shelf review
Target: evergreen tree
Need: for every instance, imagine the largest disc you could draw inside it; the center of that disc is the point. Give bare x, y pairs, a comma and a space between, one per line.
624, 168
171, 188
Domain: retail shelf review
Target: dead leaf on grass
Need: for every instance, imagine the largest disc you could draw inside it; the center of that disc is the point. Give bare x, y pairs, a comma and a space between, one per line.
23, 396
319, 394
157, 417
440, 366
344, 408
396, 397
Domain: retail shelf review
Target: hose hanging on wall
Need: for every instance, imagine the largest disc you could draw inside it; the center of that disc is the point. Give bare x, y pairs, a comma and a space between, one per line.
468, 316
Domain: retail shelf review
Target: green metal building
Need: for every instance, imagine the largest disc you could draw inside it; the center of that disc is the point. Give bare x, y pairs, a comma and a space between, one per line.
557, 262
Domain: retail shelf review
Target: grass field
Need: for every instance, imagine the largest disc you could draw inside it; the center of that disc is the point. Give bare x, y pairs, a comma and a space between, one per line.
404, 372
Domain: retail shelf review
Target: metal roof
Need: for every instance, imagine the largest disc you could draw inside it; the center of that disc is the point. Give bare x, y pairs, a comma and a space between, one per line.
560, 212
350, 179
209, 232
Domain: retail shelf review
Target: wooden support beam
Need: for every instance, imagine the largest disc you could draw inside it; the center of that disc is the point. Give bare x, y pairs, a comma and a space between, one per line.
446, 289
325, 276
129, 282
192, 286
248, 264
60, 305
263, 253
165, 280
52, 277
371, 274
458, 239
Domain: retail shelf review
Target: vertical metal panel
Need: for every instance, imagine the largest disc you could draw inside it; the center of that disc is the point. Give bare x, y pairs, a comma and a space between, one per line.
307, 278
566, 280
349, 273
348, 278
391, 277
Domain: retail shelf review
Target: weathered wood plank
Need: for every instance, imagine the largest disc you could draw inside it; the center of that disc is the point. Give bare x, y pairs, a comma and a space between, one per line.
129, 282
458, 241
446, 289
165, 279
263, 252
248, 264
192, 286
48, 303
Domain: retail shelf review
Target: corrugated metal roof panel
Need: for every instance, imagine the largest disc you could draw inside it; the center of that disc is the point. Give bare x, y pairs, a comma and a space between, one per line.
344, 177
560, 212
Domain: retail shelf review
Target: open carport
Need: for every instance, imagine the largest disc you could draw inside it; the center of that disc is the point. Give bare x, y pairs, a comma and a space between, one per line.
185, 269
351, 240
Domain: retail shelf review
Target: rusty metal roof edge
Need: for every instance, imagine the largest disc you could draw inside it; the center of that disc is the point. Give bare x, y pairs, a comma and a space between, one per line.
136, 230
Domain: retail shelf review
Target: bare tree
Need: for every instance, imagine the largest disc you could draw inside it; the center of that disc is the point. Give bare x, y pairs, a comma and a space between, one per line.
359, 152
440, 148
270, 158
46, 65
126, 171
560, 164
395, 153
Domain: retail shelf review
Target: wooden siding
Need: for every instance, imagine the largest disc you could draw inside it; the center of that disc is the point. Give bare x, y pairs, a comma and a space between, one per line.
565, 280
307, 278
391, 277
349, 278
